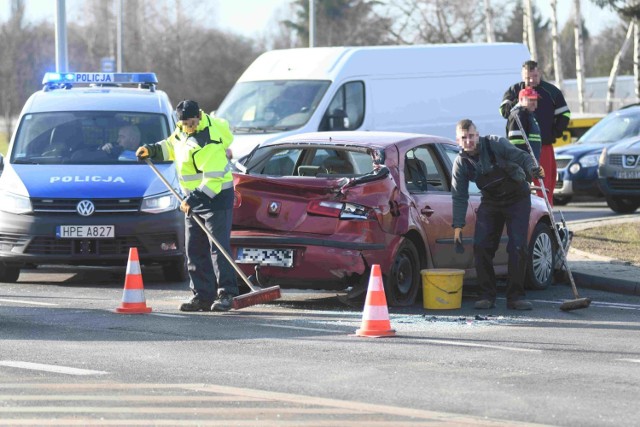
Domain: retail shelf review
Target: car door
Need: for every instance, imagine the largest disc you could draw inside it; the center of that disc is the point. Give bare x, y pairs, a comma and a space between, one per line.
428, 184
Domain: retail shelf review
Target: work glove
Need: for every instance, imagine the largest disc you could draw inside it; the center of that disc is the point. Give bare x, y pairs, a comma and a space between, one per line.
142, 153
538, 172
184, 207
457, 240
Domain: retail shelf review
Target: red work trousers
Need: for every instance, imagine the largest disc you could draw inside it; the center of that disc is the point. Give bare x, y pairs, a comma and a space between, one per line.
548, 163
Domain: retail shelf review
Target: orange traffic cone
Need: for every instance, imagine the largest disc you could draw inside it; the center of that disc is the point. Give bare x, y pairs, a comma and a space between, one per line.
133, 301
375, 317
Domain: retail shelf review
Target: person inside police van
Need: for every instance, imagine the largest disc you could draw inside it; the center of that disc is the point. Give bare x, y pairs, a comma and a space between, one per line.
129, 138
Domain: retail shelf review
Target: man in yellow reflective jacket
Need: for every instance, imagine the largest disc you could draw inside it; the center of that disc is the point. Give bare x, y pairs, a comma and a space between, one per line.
198, 147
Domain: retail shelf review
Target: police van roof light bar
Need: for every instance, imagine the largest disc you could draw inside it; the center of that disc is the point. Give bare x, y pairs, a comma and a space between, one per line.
67, 80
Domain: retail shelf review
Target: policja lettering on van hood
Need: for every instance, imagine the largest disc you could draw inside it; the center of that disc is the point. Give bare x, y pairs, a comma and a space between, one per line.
86, 178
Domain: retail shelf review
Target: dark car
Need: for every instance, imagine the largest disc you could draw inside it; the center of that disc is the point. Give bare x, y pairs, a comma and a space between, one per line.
577, 163
316, 211
619, 175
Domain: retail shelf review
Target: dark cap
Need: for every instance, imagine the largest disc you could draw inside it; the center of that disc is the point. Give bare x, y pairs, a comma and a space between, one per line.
187, 109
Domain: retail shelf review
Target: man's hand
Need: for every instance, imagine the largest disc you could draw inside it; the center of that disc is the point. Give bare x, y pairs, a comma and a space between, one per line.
142, 153
184, 207
537, 172
229, 154
107, 147
457, 240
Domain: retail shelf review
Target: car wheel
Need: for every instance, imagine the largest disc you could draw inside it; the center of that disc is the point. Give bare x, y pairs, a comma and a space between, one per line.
623, 206
561, 201
540, 264
9, 274
403, 281
175, 271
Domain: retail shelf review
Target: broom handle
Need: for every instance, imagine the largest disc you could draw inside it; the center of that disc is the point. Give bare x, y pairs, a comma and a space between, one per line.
514, 113
198, 220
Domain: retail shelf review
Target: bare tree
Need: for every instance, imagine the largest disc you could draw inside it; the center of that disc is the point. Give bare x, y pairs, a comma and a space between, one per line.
616, 65
488, 17
555, 42
530, 29
579, 53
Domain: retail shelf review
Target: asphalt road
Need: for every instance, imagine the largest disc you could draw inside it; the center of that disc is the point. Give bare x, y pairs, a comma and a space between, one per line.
67, 358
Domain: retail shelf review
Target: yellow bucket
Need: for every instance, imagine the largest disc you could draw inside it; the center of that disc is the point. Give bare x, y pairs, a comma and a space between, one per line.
442, 288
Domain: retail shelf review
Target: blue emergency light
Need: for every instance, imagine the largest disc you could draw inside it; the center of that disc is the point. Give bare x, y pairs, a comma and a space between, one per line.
51, 80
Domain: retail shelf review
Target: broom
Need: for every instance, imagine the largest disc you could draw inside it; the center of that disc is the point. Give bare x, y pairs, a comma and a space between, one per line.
577, 302
257, 295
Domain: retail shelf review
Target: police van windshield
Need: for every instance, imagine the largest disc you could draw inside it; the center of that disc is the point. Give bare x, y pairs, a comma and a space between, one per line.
85, 137
271, 106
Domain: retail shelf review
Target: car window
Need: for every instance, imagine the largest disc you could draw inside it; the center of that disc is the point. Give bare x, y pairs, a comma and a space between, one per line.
346, 110
612, 128
423, 171
79, 137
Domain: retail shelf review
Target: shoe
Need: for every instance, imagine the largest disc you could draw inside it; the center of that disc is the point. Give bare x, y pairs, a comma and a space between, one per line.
195, 304
484, 304
521, 304
223, 303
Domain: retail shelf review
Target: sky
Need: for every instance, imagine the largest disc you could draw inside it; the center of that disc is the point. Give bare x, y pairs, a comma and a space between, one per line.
253, 17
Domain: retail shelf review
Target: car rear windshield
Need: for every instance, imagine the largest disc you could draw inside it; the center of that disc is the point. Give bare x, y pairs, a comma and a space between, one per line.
86, 137
309, 161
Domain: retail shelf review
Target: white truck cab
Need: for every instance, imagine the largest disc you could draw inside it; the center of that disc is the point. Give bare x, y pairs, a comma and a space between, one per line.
423, 89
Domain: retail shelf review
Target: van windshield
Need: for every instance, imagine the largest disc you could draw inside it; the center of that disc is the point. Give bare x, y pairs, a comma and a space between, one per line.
271, 106
85, 137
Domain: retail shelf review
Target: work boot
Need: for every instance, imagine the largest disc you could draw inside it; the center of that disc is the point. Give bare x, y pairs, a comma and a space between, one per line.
521, 304
195, 304
484, 304
223, 303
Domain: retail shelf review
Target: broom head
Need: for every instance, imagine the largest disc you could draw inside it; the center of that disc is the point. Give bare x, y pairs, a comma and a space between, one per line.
256, 297
575, 304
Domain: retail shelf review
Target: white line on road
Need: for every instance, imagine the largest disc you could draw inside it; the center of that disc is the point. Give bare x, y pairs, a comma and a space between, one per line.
49, 368
469, 344
20, 301
629, 360
301, 328
168, 315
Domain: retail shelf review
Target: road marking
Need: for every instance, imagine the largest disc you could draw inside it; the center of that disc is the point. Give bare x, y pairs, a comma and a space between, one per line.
629, 360
168, 315
469, 344
49, 368
20, 301
301, 328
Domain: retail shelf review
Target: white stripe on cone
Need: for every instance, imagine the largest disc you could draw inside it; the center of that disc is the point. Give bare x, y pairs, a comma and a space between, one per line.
375, 312
133, 267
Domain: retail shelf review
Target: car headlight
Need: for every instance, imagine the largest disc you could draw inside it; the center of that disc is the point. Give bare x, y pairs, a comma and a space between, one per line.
15, 204
574, 168
158, 204
603, 157
590, 160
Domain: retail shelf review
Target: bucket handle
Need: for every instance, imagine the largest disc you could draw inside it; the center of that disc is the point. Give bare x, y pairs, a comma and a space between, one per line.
445, 291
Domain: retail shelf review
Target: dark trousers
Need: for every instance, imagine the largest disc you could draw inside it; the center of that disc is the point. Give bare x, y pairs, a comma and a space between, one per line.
491, 218
209, 271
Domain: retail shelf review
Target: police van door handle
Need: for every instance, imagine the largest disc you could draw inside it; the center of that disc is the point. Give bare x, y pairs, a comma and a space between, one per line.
427, 211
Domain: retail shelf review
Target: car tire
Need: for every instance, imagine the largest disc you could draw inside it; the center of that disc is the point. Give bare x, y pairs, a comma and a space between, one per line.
175, 271
622, 206
561, 201
403, 281
9, 274
542, 251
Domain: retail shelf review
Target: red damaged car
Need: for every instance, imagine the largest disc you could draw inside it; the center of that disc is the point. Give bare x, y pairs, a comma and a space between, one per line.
315, 211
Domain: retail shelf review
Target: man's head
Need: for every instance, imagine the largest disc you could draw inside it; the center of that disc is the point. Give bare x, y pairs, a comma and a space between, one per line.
530, 73
129, 137
467, 136
189, 115
528, 98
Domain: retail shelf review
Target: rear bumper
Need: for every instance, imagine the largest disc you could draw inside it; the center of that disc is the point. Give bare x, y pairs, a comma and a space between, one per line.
32, 239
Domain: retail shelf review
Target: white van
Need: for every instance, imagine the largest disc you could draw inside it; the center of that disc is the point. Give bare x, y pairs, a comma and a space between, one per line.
423, 89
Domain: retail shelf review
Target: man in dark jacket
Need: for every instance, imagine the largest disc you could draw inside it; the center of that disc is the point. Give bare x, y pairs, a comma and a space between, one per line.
552, 115
498, 169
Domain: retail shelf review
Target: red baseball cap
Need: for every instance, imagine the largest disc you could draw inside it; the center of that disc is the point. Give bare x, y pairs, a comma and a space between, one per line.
528, 92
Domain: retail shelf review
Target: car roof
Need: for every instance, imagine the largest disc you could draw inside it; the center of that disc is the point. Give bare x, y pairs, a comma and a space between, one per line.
99, 99
378, 139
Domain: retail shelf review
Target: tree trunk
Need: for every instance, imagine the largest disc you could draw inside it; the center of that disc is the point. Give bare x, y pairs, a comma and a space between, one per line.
488, 19
636, 54
616, 66
555, 39
579, 53
531, 36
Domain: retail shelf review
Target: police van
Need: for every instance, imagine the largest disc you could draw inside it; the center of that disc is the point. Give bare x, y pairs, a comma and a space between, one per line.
71, 189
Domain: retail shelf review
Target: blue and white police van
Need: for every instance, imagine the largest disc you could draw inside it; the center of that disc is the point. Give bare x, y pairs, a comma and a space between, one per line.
65, 199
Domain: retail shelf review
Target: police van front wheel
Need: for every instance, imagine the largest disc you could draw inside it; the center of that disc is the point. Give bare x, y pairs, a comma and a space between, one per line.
540, 265
175, 271
9, 274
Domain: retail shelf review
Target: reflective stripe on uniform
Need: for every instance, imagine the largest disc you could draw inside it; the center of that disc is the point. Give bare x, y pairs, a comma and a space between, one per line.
194, 177
209, 192
561, 110
515, 133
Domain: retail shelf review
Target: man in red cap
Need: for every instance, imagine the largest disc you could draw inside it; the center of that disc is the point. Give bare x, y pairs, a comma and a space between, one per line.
527, 104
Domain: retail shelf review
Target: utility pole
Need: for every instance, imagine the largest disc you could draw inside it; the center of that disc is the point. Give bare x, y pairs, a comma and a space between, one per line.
119, 37
312, 24
62, 63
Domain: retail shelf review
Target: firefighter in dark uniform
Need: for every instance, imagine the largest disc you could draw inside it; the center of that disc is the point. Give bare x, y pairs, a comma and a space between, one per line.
527, 104
552, 115
499, 170
198, 148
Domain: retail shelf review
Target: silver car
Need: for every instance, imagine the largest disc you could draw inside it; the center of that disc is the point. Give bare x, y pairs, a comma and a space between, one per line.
619, 175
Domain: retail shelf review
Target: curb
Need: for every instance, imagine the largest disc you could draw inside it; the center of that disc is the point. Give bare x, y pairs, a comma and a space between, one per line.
618, 286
